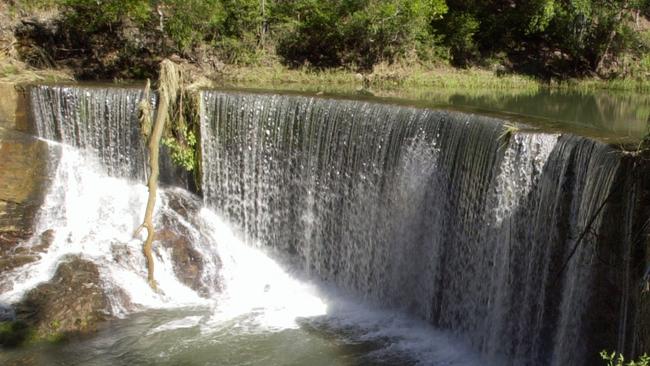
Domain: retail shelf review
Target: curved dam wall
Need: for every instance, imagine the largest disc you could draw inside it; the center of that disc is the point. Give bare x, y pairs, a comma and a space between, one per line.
518, 242
529, 246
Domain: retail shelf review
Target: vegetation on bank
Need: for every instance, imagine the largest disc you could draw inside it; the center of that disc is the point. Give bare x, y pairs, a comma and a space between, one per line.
386, 78
390, 43
14, 333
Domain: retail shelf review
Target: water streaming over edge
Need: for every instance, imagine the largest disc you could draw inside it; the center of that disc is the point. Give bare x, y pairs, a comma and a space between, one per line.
94, 204
442, 215
435, 213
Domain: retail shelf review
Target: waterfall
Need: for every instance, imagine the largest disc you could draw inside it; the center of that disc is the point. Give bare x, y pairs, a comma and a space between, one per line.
94, 215
448, 216
96, 201
495, 236
104, 122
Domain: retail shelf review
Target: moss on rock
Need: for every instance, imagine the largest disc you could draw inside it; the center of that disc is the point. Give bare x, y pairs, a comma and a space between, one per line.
14, 333
72, 302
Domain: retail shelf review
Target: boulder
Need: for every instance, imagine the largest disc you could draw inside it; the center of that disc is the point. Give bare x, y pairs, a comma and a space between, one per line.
188, 263
72, 302
175, 236
15, 252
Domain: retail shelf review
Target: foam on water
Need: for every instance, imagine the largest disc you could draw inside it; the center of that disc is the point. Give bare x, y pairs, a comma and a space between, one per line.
187, 322
257, 286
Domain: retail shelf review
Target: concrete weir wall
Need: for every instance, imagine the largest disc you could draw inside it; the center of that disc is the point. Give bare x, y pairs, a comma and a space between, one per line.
23, 170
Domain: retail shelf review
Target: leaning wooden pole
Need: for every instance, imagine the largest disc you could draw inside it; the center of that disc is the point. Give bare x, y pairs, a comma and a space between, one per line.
168, 86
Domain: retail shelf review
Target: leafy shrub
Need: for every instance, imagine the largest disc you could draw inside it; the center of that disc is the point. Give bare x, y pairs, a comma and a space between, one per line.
617, 359
459, 30
191, 22
92, 15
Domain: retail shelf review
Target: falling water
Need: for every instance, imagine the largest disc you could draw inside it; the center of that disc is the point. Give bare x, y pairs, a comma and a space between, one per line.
94, 215
447, 217
103, 121
93, 207
451, 217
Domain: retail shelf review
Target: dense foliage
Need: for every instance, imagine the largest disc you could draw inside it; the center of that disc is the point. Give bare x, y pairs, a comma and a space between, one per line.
551, 38
574, 36
359, 33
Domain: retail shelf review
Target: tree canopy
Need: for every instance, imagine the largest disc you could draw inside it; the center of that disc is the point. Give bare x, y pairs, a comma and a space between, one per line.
542, 37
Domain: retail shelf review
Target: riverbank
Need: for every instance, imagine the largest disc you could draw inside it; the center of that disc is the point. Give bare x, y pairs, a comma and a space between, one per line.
385, 80
52, 40
393, 77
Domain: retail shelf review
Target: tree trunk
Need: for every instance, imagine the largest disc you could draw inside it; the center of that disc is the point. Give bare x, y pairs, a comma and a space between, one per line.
152, 184
167, 90
610, 38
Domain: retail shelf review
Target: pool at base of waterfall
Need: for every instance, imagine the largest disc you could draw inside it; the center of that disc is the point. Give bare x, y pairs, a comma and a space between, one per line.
176, 338
180, 338
345, 334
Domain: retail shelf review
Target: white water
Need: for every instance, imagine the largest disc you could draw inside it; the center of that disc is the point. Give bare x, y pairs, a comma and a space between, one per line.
95, 215
423, 210
257, 288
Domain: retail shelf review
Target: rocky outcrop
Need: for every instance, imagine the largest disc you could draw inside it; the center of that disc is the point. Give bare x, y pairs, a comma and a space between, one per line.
188, 264
13, 109
24, 163
16, 251
72, 302
175, 236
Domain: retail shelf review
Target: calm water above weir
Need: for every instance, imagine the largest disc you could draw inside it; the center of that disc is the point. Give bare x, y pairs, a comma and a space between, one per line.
609, 115
350, 232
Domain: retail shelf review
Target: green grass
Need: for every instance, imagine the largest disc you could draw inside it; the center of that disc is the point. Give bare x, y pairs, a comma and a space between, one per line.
386, 78
13, 71
30, 5
627, 84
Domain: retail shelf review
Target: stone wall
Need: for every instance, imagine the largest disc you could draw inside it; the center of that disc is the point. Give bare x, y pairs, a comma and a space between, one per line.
24, 166
13, 108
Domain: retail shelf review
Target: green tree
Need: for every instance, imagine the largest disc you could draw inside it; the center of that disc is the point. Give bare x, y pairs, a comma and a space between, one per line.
92, 15
542, 36
240, 32
191, 22
354, 32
